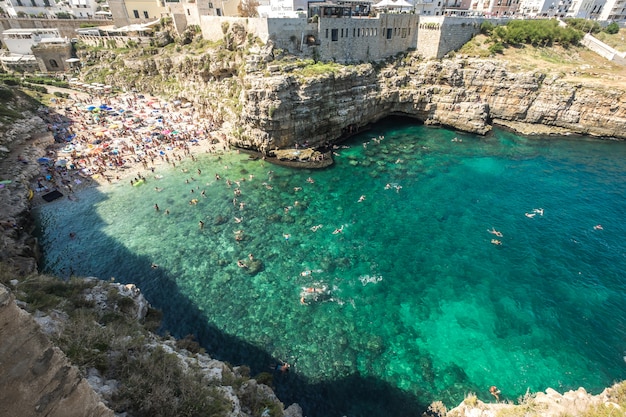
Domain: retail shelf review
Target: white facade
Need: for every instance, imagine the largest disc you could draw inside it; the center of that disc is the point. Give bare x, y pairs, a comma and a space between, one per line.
585, 9
20, 41
533, 8
283, 8
428, 7
613, 11
83, 8
50, 8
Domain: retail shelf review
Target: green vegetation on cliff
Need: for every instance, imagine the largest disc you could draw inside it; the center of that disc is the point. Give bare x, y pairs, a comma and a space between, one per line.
100, 331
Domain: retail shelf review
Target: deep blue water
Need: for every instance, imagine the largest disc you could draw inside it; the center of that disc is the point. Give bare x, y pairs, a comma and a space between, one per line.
416, 304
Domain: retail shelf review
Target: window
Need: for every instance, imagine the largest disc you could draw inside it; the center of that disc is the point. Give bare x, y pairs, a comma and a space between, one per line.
354, 32
136, 14
403, 32
334, 34
210, 5
218, 12
32, 3
188, 12
145, 14
326, 33
19, 3
53, 64
389, 33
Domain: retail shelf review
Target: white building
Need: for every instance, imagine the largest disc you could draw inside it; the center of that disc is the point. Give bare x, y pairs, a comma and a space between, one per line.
283, 8
585, 9
35, 50
21, 41
51, 8
537, 8
613, 11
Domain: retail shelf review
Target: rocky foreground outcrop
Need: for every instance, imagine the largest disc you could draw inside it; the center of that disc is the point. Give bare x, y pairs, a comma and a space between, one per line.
37, 378
545, 404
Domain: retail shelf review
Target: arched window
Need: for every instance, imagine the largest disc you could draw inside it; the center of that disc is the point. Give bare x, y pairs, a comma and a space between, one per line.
54, 64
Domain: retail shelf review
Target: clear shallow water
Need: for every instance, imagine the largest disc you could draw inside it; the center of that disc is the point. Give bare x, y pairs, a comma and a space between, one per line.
421, 305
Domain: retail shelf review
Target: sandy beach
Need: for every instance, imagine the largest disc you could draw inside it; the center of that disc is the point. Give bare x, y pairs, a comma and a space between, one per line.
113, 138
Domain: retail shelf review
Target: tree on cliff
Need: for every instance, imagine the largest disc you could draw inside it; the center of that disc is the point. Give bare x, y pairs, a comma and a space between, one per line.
248, 8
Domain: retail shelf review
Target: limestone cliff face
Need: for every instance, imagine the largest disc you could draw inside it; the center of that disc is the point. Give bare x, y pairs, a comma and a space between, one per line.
37, 378
267, 104
283, 109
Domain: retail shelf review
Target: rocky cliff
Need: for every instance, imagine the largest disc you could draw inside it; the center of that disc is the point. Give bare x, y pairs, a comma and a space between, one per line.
268, 103
37, 378
468, 95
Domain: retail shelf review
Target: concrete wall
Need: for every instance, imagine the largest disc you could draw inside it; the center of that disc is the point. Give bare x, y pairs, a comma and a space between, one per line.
211, 26
604, 50
290, 34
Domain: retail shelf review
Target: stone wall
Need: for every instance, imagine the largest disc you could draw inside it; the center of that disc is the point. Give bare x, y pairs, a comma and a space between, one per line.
342, 40
114, 41
367, 39
438, 35
51, 57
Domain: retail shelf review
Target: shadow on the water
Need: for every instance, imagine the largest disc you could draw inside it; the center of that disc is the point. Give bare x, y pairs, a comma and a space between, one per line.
353, 395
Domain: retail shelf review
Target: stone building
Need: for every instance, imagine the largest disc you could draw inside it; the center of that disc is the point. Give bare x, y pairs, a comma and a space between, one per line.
31, 50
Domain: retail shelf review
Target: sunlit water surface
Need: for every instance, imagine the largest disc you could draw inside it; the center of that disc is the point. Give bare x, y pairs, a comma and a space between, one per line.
417, 297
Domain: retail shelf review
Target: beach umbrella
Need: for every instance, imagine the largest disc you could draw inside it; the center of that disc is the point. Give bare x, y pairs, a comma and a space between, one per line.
43, 160
91, 108
61, 163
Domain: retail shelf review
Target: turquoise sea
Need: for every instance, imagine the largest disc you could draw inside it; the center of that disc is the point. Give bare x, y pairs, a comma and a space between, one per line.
411, 301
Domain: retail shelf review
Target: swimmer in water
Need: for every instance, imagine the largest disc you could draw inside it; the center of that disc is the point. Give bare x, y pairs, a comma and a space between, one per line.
496, 242
305, 273
493, 231
316, 228
157, 189
310, 180
538, 211
286, 236
530, 215
598, 227
495, 392
337, 231
361, 199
